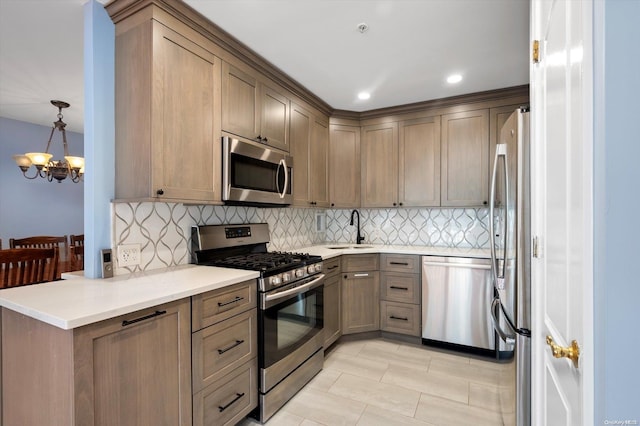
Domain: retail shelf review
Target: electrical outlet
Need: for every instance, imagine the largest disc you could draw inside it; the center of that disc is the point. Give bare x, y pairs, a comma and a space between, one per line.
128, 255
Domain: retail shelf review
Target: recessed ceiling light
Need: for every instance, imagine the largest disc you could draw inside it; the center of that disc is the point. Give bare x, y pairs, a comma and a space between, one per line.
454, 78
364, 96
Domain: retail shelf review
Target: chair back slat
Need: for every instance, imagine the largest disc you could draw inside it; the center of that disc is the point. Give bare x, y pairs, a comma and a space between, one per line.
24, 266
46, 241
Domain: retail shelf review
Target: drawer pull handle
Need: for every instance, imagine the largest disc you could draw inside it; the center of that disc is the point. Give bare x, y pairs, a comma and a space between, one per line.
399, 288
399, 318
332, 267
237, 343
155, 314
238, 396
237, 299
399, 263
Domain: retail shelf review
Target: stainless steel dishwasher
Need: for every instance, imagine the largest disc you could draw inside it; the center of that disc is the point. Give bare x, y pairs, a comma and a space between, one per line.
456, 299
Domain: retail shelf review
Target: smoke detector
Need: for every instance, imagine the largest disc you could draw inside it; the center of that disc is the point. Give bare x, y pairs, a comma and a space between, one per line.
363, 27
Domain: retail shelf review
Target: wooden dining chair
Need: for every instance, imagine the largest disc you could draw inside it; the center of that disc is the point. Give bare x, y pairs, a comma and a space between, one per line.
46, 241
24, 266
76, 250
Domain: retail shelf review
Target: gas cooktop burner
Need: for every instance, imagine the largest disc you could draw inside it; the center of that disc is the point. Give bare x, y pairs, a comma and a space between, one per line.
266, 262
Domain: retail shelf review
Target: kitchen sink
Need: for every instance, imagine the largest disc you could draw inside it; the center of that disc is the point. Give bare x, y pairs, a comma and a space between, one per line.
348, 247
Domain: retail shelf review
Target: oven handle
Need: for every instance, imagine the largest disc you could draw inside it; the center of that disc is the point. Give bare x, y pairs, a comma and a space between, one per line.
268, 300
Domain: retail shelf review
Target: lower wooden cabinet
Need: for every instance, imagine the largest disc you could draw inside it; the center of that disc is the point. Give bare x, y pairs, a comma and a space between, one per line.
224, 353
332, 302
400, 294
360, 302
134, 369
229, 399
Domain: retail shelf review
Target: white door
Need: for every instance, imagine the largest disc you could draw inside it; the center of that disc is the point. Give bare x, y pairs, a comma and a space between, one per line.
562, 278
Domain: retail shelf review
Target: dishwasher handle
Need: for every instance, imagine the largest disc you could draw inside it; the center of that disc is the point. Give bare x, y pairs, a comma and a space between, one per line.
459, 265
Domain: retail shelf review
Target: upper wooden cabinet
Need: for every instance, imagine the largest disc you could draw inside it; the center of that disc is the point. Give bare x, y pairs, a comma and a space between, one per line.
379, 149
344, 166
465, 159
419, 162
309, 148
167, 116
253, 109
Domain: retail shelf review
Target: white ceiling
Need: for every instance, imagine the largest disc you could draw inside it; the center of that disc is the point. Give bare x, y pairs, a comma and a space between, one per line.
410, 48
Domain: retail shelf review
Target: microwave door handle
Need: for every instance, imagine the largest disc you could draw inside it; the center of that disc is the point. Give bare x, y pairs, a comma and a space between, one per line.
282, 164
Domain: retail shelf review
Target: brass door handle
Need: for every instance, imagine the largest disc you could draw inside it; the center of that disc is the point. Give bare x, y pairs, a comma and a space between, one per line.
572, 352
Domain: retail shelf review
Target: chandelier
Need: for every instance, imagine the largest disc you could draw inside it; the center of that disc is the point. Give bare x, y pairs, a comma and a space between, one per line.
45, 167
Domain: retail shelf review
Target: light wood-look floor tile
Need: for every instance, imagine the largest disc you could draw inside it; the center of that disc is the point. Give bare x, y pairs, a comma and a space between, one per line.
379, 382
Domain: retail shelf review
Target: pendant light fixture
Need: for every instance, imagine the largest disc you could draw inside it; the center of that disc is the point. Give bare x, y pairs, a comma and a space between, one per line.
45, 167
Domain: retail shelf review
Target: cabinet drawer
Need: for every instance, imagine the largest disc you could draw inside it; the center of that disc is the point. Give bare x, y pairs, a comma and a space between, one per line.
331, 266
400, 318
360, 262
396, 287
400, 263
220, 348
217, 305
228, 400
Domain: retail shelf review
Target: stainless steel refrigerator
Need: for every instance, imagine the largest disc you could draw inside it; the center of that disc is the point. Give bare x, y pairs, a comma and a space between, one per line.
509, 222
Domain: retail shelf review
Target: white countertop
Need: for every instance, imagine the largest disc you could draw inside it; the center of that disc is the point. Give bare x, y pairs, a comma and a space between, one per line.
72, 303
338, 249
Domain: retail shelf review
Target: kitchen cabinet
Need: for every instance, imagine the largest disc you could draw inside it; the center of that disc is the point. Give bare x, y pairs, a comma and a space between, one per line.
344, 166
254, 109
379, 148
309, 148
419, 162
400, 294
332, 302
224, 353
465, 159
360, 293
167, 114
131, 369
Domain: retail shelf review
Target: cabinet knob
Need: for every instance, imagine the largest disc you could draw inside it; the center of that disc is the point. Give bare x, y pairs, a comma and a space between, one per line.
394, 204
264, 139
345, 277
160, 191
485, 203
400, 203
332, 204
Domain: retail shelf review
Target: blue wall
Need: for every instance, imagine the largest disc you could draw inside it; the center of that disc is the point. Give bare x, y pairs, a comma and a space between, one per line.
36, 207
617, 205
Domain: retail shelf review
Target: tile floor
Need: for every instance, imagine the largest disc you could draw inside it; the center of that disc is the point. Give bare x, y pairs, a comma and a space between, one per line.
383, 382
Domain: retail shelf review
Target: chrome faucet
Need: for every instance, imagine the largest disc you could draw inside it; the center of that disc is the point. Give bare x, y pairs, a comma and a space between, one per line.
359, 238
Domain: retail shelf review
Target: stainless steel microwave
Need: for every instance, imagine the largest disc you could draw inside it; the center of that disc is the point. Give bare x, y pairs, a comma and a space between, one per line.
253, 174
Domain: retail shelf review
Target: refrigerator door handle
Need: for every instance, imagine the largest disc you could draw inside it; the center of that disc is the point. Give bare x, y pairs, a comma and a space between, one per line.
501, 151
508, 339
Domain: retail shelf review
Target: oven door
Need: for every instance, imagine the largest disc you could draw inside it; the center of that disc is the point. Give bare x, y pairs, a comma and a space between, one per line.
289, 319
254, 174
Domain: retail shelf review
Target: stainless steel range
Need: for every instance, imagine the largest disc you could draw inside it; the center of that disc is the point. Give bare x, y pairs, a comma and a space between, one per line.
290, 311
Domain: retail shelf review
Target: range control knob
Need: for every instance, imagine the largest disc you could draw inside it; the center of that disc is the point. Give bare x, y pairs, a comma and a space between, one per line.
286, 277
318, 267
311, 269
300, 273
275, 280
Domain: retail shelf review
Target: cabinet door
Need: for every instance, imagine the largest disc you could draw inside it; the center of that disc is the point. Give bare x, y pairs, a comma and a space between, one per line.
301, 120
168, 115
360, 302
274, 126
380, 165
344, 166
419, 162
240, 102
135, 369
318, 163
185, 131
465, 159
332, 310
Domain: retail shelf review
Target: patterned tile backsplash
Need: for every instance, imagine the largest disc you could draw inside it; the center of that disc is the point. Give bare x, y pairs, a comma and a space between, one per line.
163, 229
